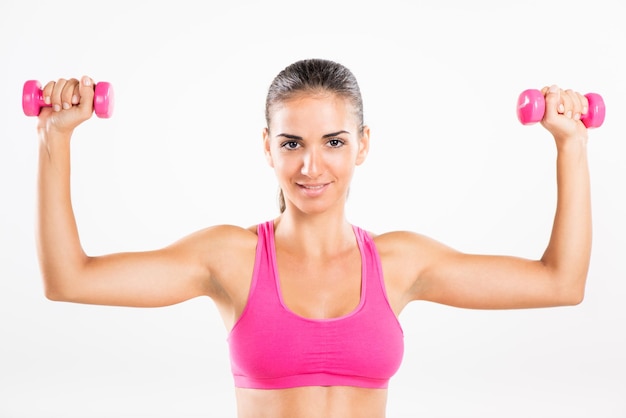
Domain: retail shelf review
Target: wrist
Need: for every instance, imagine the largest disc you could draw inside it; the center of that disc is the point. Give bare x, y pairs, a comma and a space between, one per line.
575, 143
52, 135
54, 144
573, 150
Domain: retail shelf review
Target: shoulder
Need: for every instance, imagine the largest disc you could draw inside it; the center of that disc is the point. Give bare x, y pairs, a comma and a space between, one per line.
405, 257
224, 235
409, 252
403, 242
216, 245
227, 254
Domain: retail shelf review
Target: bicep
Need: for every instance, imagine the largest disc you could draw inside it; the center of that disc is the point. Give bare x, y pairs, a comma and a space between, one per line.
488, 282
143, 279
160, 277
443, 275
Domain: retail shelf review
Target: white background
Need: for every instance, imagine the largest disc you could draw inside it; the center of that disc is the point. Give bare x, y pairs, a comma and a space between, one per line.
183, 151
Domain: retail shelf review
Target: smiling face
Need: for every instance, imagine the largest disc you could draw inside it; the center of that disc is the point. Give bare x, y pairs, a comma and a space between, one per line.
314, 143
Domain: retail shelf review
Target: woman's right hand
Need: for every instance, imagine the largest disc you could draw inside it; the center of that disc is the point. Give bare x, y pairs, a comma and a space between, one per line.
71, 104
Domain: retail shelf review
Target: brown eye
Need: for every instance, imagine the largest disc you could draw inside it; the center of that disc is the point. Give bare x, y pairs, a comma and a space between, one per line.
335, 143
290, 145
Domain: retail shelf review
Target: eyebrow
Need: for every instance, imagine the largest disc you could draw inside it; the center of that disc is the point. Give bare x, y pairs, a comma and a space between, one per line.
299, 138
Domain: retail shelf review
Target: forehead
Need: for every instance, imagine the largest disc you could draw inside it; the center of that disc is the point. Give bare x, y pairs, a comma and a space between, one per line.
323, 111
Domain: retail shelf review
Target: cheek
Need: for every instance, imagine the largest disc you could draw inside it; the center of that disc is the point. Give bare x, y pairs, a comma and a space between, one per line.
342, 165
283, 165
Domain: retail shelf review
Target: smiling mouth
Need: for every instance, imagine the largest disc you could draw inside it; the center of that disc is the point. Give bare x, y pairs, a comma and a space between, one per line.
312, 186
313, 190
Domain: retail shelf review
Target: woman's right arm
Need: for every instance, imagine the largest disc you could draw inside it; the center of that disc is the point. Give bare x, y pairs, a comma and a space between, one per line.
181, 271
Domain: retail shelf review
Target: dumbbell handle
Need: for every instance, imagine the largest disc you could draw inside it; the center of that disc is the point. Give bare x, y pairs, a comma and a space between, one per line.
531, 107
32, 99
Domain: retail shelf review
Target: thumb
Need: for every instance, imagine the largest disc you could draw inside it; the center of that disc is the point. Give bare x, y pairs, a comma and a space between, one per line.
554, 106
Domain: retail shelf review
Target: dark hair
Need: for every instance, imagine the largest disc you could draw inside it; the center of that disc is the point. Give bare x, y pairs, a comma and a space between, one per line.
314, 76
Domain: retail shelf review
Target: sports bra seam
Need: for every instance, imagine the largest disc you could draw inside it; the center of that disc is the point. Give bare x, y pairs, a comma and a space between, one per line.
253, 281
381, 279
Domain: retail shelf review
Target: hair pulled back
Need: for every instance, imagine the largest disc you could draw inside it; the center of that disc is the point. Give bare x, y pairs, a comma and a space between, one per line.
314, 76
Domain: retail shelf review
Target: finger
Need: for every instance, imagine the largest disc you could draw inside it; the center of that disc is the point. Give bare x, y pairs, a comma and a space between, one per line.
76, 94
46, 92
55, 96
68, 92
576, 104
554, 104
579, 103
585, 101
568, 103
86, 93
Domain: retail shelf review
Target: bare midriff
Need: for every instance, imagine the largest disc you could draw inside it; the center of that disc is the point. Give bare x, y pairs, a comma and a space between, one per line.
312, 402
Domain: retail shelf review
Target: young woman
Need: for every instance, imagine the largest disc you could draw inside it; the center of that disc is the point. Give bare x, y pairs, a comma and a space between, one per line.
310, 300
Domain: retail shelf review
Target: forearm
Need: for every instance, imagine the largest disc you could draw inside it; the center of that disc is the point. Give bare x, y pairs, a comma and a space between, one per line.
569, 250
59, 249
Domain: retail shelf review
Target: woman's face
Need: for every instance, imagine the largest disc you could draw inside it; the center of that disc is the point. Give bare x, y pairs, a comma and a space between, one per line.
313, 143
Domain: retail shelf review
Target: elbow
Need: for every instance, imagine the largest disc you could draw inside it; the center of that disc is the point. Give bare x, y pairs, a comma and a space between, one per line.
54, 297
53, 293
573, 294
575, 298
579, 297
565, 287
61, 283
54, 288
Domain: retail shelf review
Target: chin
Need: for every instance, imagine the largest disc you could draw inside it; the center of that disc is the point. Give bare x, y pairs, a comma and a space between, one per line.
317, 207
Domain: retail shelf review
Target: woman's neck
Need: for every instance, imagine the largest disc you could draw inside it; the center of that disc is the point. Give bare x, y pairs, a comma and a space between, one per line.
327, 233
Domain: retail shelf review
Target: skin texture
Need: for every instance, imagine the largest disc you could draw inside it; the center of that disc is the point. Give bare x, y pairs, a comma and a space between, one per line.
313, 143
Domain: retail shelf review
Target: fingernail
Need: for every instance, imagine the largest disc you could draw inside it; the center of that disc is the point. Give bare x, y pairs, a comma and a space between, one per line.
86, 81
74, 99
561, 108
577, 116
57, 107
553, 88
66, 105
569, 114
46, 99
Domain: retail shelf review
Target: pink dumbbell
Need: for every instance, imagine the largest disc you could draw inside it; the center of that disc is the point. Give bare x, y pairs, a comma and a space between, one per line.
32, 99
531, 106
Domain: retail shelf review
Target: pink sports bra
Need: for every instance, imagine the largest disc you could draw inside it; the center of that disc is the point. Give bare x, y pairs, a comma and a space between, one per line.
271, 347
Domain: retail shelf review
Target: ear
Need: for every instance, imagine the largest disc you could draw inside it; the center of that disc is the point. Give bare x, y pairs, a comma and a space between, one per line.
266, 147
364, 146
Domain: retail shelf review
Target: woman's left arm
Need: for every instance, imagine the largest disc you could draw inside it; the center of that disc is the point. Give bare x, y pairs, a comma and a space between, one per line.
559, 276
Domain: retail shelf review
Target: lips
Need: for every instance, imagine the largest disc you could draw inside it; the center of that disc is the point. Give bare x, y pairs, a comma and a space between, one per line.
312, 186
313, 190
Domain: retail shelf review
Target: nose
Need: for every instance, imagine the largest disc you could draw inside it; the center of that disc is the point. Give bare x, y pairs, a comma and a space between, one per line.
312, 164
